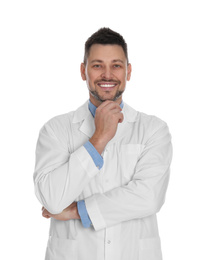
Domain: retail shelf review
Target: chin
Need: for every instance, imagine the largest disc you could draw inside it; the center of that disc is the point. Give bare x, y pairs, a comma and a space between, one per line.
104, 97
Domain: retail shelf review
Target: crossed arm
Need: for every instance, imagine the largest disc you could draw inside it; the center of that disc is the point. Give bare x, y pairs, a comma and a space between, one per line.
71, 212
146, 191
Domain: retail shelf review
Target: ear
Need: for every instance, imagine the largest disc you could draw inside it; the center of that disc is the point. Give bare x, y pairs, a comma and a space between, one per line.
82, 71
129, 70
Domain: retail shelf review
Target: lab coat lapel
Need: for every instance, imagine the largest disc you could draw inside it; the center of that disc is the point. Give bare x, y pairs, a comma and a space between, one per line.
83, 115
88, 126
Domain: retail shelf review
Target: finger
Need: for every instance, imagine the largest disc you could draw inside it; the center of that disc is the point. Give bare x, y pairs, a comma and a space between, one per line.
116, 115
47, 216
112, 105
120, 117
45, 213
115, 111
108, 105
105, 103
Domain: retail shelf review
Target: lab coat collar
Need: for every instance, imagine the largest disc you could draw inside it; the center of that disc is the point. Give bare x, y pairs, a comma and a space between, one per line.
83, 114
130, 115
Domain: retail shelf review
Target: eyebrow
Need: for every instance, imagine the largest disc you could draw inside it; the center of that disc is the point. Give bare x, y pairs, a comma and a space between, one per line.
100, 61
118, 61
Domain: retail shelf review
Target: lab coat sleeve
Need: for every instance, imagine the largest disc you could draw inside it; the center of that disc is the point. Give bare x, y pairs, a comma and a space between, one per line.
60, 175
144, 194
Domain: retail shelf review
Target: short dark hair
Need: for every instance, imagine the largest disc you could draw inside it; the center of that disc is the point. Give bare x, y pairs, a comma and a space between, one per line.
105, 36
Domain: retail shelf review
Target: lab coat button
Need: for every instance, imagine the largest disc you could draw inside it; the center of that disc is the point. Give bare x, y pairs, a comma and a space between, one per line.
108, 242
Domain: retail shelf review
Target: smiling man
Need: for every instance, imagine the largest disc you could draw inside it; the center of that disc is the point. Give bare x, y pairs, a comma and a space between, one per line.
102, 171
106, 71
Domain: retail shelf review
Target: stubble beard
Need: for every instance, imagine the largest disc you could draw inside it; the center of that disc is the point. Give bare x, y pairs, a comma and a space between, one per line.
96, 95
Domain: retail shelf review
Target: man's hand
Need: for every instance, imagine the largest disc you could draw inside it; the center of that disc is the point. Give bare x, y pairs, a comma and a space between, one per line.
68, 213
107, 117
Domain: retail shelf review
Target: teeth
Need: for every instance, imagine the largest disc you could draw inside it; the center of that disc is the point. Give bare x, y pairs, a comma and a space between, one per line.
106, 86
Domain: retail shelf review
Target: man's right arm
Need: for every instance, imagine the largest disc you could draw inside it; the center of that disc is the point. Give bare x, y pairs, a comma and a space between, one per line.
59, 176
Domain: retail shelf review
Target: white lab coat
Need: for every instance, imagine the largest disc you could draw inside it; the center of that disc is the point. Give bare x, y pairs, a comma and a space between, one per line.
122, 198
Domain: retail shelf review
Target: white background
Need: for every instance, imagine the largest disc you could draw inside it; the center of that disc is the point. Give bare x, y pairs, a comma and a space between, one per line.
41, 48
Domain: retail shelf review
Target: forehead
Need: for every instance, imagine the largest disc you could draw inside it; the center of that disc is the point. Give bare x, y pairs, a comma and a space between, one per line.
106, 52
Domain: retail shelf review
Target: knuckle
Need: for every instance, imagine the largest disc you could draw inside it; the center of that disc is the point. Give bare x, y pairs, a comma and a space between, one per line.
102, 110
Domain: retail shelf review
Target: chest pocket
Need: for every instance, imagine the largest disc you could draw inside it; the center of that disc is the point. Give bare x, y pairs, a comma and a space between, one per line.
129, 156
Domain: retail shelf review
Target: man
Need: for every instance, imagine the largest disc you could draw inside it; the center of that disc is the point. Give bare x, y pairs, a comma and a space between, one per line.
102, 171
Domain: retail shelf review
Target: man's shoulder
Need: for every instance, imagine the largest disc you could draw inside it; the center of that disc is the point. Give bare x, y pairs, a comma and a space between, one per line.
152, 120
64, 120
148, 125
68, 117
145, 119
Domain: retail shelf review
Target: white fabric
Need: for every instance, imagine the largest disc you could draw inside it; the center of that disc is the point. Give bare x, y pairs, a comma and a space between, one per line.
122, 198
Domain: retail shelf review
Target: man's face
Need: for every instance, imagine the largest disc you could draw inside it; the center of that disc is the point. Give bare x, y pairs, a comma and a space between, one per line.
106, 73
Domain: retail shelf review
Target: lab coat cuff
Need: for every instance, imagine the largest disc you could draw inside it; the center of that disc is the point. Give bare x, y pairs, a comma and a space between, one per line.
94, 213
97, 158
86, 161
86, 222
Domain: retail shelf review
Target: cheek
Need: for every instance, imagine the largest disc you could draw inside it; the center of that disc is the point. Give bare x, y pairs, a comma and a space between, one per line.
92, 76
122, 77
121, 74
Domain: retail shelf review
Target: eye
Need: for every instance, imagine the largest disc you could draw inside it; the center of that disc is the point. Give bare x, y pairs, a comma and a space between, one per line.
96, 66
117, 66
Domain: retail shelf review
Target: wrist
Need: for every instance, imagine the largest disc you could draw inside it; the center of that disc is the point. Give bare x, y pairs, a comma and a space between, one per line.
76, 212
98, 142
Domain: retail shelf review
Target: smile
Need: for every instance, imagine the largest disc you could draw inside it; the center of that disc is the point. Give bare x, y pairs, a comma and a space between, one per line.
106, 85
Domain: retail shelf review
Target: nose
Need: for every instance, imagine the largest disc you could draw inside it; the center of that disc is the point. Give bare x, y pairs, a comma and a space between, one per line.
107, 73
